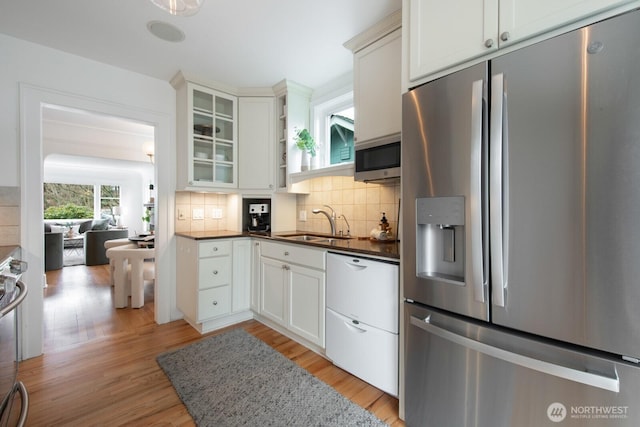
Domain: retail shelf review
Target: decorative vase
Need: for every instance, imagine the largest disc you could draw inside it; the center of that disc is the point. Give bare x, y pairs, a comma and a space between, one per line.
304, 161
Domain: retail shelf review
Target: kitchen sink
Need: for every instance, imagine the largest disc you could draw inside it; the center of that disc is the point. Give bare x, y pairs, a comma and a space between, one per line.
306, 237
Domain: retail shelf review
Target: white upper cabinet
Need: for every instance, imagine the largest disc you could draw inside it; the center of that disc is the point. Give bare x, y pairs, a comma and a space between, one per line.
377, 65
256, 143
377, 91
445, 33
292, 110
441, 35
207, 137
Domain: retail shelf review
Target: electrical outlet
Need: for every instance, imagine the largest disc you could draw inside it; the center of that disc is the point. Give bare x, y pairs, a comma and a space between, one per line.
302, 215
181, 215
197, 214
217, 214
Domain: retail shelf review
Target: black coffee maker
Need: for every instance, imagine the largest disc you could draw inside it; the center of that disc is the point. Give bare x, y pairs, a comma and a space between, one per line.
259, 217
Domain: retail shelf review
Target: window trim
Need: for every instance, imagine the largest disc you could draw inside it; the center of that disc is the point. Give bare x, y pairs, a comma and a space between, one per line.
320, 125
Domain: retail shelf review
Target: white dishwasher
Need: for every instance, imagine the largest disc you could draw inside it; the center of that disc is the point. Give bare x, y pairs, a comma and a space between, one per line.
362, 318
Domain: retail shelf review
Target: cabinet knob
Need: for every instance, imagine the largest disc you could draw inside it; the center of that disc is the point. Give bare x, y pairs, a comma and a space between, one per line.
215, 271
505, 36
286, 253
215, 249
286, 267
488, 43
215, 303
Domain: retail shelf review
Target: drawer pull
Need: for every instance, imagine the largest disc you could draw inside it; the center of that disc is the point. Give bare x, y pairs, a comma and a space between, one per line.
215, 272
215, 249
286, 253
215, 302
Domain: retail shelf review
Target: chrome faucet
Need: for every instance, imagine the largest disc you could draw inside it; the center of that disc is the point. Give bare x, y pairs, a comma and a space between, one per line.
331, 218
348, 226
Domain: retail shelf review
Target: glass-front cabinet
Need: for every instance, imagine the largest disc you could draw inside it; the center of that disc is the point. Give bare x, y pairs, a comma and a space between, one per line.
207, 137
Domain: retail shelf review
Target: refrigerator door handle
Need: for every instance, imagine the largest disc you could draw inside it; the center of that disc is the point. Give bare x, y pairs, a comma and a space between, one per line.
497, 189
583, 377
475, 199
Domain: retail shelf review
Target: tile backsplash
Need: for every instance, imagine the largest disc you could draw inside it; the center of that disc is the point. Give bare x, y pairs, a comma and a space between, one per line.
362, 204
187, 202
9, 216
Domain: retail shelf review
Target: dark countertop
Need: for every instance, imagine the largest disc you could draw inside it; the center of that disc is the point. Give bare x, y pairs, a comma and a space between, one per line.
354, 245
7, 251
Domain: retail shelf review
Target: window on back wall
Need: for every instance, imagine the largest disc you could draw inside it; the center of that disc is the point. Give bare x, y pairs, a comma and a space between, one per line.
109, 198
333, 122
341, 137
74, 201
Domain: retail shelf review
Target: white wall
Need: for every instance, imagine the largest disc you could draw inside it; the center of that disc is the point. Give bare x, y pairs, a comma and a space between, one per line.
32, 76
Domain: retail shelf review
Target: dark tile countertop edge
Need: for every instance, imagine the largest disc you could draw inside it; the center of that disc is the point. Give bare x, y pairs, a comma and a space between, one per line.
9, 251
363, 246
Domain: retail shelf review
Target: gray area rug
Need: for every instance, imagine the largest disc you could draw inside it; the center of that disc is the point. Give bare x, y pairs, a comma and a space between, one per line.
235, 379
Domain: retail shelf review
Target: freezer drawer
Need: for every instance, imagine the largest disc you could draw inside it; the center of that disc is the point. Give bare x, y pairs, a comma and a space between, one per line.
367, 352
465, 374
364, 289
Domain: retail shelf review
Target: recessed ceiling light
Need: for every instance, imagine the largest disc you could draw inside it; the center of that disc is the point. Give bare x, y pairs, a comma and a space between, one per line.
165, 31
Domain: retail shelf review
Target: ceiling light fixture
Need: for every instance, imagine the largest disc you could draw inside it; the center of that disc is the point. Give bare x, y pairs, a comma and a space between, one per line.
179, 7
149, 148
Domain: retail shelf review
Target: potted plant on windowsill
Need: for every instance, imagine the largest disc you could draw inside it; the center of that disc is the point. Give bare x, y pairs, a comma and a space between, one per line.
305, 142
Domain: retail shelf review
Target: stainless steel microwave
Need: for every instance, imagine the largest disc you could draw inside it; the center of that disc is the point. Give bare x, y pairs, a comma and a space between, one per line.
378, 159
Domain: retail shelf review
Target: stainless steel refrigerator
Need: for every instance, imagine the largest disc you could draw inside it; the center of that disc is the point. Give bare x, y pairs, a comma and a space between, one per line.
521, 241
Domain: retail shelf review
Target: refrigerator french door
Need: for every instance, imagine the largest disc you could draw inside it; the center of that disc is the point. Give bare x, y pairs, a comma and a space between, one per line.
521, 199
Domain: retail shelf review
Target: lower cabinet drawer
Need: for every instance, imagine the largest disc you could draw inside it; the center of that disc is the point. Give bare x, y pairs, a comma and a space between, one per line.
367, 352
214, 272
214, 302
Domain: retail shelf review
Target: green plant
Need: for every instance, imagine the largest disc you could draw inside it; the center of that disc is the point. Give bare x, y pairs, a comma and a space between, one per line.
68, 211
305, 142
147, 216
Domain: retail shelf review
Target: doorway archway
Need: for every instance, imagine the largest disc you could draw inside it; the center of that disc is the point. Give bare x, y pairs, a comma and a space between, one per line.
33, 99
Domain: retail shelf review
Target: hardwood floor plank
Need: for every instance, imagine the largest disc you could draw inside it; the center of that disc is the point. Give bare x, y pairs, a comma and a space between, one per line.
99, 366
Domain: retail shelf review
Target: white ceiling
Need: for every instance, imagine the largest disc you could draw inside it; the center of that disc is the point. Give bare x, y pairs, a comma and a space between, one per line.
87, 136
241, 43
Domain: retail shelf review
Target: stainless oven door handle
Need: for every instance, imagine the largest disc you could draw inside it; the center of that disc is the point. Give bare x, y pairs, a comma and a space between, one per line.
17, 301
24, 397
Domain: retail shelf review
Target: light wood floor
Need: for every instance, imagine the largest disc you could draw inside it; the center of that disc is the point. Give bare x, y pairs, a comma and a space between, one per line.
99, 364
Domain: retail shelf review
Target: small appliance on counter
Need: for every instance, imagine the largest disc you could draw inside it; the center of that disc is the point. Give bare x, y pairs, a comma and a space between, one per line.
257, 217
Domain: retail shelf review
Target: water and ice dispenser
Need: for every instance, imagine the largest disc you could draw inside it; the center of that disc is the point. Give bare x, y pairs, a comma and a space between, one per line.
440, 248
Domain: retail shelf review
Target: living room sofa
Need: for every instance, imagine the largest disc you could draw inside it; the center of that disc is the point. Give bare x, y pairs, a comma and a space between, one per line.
94, 250
53, 250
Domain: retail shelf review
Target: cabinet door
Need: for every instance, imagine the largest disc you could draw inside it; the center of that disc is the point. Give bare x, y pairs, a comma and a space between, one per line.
256, 142
255, 276
241, 287
446, 33
306, 302
212, 136
273, 292
378, 101
521, 19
